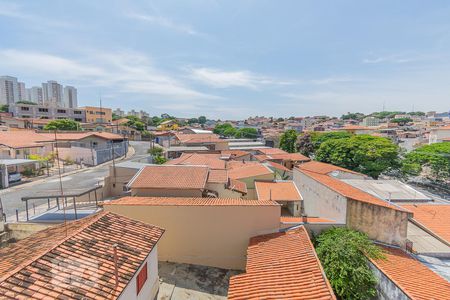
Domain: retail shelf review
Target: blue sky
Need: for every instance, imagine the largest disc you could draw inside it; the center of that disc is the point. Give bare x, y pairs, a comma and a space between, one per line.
234, 59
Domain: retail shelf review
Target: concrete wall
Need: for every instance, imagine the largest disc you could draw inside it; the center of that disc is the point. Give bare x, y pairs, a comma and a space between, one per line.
166, 192
120, 180
436, 136
387, 290
214, 236
379, 223
223, 192
77, 154
319, 200
151, 286
20, 231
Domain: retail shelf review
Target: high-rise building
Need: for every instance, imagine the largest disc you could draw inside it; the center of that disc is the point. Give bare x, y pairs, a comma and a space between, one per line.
35, 94
53, 93
119, 112
9, 92
70, 97
22, 91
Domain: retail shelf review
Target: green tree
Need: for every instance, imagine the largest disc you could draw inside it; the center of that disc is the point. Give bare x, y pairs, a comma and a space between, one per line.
159, 160
318, 138
220, 128
202, 120
4, 108
288, 141
115, 117
26, 102
344, 256
434, 157
366, 154
192, 121
305, 144
247, 132
401, 121
62, 124
353, 116
156, 151
230, 132
136, 123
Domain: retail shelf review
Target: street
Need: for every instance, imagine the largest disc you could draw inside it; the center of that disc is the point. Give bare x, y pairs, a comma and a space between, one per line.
11, 198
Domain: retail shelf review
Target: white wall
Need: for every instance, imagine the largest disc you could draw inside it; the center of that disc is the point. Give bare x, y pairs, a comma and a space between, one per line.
436, 136
78, 153
319, 200
151, 286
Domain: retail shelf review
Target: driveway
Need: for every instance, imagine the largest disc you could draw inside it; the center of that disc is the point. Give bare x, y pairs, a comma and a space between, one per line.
11, 198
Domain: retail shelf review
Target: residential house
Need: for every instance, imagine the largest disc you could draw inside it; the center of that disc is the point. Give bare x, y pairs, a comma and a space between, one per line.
248, 173
21, 144
283, 192
202, 231
439, 134
104, 256
211, 141
167, 125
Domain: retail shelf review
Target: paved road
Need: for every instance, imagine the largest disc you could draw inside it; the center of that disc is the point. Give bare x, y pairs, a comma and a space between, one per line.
11, 198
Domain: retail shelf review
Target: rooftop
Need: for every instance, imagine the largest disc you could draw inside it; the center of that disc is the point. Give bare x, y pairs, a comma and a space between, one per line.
281, 265
170, 177
218, 176
411, 276
42, 265
277, 191
201, 159
250, 170
184, 201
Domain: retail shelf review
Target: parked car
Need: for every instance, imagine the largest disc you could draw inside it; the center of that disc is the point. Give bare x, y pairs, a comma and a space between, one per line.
14, 177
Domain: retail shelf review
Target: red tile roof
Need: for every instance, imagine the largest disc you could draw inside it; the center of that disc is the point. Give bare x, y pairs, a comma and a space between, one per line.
201, 159
235, 154
198, 138
434, 217
323, 168
238, 163
261, 157
183, 201
289, 156
218, 176
51, 265
236, 185
170, 177
22, 139
76, 136
250, 170
289, 219
270, 151
277, 191
281, 265
416, 280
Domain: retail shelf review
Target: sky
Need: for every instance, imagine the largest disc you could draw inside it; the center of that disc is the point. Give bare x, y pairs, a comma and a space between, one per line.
235, 59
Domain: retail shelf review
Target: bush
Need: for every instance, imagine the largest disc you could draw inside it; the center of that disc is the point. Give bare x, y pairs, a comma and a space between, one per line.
344, 256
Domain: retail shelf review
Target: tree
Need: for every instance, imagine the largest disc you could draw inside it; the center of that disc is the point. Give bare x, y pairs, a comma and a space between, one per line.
63, 124
156, 151
115, 117
247, 132
434, 157
353, 116
26, 102
4, 108
288, 141
220, 128
230, 132
305, 145
159, 160
135, 123
344, 256
318, 138
202, 120
401, 121
361, 153
192, 121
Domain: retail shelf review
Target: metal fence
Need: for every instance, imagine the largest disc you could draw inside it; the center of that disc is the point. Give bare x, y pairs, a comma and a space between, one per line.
106, 154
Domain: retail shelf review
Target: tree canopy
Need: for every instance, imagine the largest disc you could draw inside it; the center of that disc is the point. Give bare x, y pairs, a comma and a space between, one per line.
401, 121
353, 116
4, 108
434, 157
135, 123
366, 154
288, 141
63, 124
228, 130
343, 253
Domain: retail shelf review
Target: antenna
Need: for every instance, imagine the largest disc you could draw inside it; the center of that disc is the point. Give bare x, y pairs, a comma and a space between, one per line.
60, 181
101, 109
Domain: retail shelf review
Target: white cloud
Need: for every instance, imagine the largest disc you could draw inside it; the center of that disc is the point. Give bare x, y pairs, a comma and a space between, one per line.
126, 72
164, 22
395, 59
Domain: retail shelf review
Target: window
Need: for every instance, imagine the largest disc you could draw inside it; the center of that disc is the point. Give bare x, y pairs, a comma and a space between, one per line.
77, 112
24, 108
141, 279
43, 109
61, 111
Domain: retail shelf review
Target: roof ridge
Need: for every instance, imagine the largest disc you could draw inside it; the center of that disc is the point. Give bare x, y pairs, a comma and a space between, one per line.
41, 253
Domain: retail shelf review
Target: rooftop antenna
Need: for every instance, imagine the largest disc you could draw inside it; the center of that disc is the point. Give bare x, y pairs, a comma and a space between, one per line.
60, 181
384, 105
101, 109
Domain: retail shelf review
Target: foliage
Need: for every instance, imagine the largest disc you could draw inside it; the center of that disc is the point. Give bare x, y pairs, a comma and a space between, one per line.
288, 141
386, 114
159, 160
192, 121
28, 172
156, 151
4, 108
26, 102
401, 121
136, 123
361, 153
305, 144
344, 256
202, 120
154, 121
318, 138
353, 116
280, 119
247, 132
228, 130
62, 124
417, 113
68, 161
435, 156
220, 128
115, 117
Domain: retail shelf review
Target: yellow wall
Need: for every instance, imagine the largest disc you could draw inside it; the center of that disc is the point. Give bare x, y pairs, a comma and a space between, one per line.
93, 114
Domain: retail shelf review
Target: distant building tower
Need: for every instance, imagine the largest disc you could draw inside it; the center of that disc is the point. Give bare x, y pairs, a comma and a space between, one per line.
370, 121
9, 92
119, 112
53, 93
35, 94
70, 97
22, 91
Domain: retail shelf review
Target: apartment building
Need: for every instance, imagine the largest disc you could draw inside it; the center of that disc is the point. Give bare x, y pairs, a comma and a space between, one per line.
53, 93
22, 91
70, 97
9, 92
35, 94
30, 111
97, 114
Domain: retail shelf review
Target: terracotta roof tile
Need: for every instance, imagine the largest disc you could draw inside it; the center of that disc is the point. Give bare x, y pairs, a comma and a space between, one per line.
270, 151
416, 280
261, 157
198, 138
289, 156
249, 170
277, 166
22, 139
289, 219
180, 201
218, 176
435, 217
51, 265
238, 164
277, 191
236, 185
281, 265
211, 160
170, 177
323, 168
235, 154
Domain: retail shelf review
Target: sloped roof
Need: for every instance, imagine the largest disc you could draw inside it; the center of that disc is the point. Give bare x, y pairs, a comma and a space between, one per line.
270, 151
22, 139
198, 138
277, 166
218, 176
232, 164
250, 170
51, 264
416, 280
170, 177
235, 153
281, 265
435, 217
201, 159
239, 186
186, 201
289, 156
323, 168
76, 136
277, 191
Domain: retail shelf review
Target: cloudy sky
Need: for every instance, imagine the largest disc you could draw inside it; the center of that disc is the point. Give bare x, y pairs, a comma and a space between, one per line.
233, 59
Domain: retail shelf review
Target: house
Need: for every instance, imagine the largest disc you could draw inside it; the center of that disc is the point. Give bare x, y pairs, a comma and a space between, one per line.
167, 125
202, 231
237, 155
439, 134
326, 195
213, 161
288, 160
21, 144
283, 192
211, 141
249, 173
119, 176
357, 129
402, 276
281, 265
104, 256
